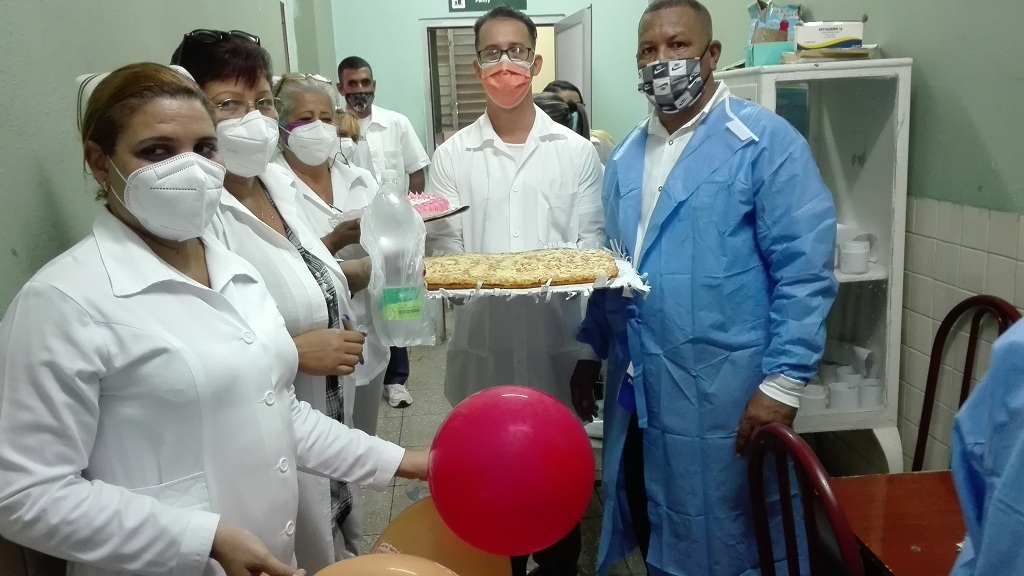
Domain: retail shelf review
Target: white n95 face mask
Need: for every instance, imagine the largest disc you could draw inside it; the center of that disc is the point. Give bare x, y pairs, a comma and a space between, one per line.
174, 199
313, 143
347, 147
247, 144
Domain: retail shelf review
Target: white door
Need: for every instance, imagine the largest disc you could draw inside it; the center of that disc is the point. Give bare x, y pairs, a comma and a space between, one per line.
573, 53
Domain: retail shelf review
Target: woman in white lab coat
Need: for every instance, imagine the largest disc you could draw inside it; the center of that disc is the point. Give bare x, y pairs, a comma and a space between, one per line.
149, 424
330, 189
260, 219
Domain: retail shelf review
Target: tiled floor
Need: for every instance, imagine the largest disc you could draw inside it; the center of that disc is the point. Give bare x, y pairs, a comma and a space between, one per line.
415, 426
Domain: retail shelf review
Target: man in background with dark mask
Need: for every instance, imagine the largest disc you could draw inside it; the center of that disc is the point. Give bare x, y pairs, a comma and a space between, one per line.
720, 204
391, 139
387, 142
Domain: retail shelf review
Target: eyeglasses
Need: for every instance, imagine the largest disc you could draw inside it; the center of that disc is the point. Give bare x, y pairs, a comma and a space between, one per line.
203, 36
299, 76
515, 54
239, 107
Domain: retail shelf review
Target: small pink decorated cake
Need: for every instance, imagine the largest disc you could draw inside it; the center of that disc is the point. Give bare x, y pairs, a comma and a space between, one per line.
429, 205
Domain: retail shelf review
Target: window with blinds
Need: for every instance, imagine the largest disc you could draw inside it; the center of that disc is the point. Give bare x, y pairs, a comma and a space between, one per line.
458, 97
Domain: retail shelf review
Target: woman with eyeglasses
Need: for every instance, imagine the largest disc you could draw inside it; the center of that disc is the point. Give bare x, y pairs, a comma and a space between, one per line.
261, 218
149, 421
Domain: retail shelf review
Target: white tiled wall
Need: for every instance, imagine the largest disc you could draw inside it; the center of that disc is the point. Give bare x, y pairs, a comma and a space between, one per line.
952, 252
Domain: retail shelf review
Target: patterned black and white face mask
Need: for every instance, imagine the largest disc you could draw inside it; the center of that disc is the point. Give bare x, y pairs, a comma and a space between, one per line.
360, 101
672, 85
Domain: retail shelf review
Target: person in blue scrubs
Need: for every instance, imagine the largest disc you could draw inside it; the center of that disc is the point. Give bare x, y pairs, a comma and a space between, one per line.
719, 203
988, 464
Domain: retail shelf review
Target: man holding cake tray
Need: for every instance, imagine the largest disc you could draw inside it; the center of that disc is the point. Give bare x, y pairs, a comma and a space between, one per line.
532, 184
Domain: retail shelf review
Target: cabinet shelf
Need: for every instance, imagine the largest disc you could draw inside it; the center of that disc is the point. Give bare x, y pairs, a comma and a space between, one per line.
830, 421
875, 272
855, 117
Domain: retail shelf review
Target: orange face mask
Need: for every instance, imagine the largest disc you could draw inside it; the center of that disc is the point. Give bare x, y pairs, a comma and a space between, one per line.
507, 83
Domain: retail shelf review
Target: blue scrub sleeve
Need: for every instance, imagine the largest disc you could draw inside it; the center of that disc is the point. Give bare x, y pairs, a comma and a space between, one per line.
988, 462
796, 229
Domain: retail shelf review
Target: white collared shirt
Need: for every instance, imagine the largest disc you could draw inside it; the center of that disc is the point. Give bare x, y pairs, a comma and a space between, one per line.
142, 408
389, 141
660, 157
547, 195
298, 295
353, 189
288, 279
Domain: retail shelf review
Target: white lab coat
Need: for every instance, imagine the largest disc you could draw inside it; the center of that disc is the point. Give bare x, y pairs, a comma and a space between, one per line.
550, 197
301, 302
353, 189
138, 409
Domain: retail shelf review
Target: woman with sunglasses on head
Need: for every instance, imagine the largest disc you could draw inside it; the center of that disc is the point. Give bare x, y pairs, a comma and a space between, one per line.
149, 421
329, 189
261, 219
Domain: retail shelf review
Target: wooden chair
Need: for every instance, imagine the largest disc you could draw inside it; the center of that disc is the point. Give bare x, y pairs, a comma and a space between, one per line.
815, 495
1005, 315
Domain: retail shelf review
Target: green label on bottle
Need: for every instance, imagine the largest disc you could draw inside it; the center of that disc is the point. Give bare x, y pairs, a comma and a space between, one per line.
402, 303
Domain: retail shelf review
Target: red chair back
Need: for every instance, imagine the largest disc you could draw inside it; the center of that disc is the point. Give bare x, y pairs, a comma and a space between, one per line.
1005, 315
815, 493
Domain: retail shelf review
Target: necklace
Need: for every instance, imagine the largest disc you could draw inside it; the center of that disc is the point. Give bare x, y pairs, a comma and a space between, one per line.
267, 210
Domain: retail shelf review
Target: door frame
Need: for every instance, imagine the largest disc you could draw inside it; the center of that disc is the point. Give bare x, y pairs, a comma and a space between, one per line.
425, 27
585, 18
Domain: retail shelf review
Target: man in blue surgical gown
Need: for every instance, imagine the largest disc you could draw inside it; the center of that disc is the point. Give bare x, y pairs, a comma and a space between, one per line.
988, 464
718, 201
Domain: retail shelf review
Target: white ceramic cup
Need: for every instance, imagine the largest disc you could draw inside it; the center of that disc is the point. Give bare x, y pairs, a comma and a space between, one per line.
814, 399
827, 372
849, 375
853, 257
843, 397
872, 393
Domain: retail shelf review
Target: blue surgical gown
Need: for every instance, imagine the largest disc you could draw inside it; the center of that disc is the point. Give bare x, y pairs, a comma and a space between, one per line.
988, 464
739, 257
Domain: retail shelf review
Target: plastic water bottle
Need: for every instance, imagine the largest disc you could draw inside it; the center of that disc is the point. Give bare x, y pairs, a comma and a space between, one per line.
394, 235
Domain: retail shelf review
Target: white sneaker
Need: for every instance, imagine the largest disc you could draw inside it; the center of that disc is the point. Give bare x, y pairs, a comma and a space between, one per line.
397, 395
595, 429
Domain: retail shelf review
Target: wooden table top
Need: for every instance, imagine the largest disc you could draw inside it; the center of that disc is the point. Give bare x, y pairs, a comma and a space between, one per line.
911, 522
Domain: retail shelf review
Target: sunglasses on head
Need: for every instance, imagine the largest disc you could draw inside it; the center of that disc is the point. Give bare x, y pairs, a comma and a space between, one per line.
298, 76
203, 36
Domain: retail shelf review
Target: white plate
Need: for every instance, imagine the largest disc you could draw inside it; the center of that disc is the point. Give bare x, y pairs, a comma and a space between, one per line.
442, 215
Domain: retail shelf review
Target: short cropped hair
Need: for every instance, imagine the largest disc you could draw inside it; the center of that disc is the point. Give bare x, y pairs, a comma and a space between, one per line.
352, 63
232, 58
505, 13
703, 15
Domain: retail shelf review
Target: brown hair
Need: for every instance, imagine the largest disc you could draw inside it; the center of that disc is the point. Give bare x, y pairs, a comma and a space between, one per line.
120, 95
347, 122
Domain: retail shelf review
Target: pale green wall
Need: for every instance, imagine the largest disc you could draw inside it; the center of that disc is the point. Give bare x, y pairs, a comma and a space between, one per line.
314, 27
967, 121
389, 33
47, 203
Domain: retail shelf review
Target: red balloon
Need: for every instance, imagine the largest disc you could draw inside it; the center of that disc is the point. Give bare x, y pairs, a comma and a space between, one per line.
511, 470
